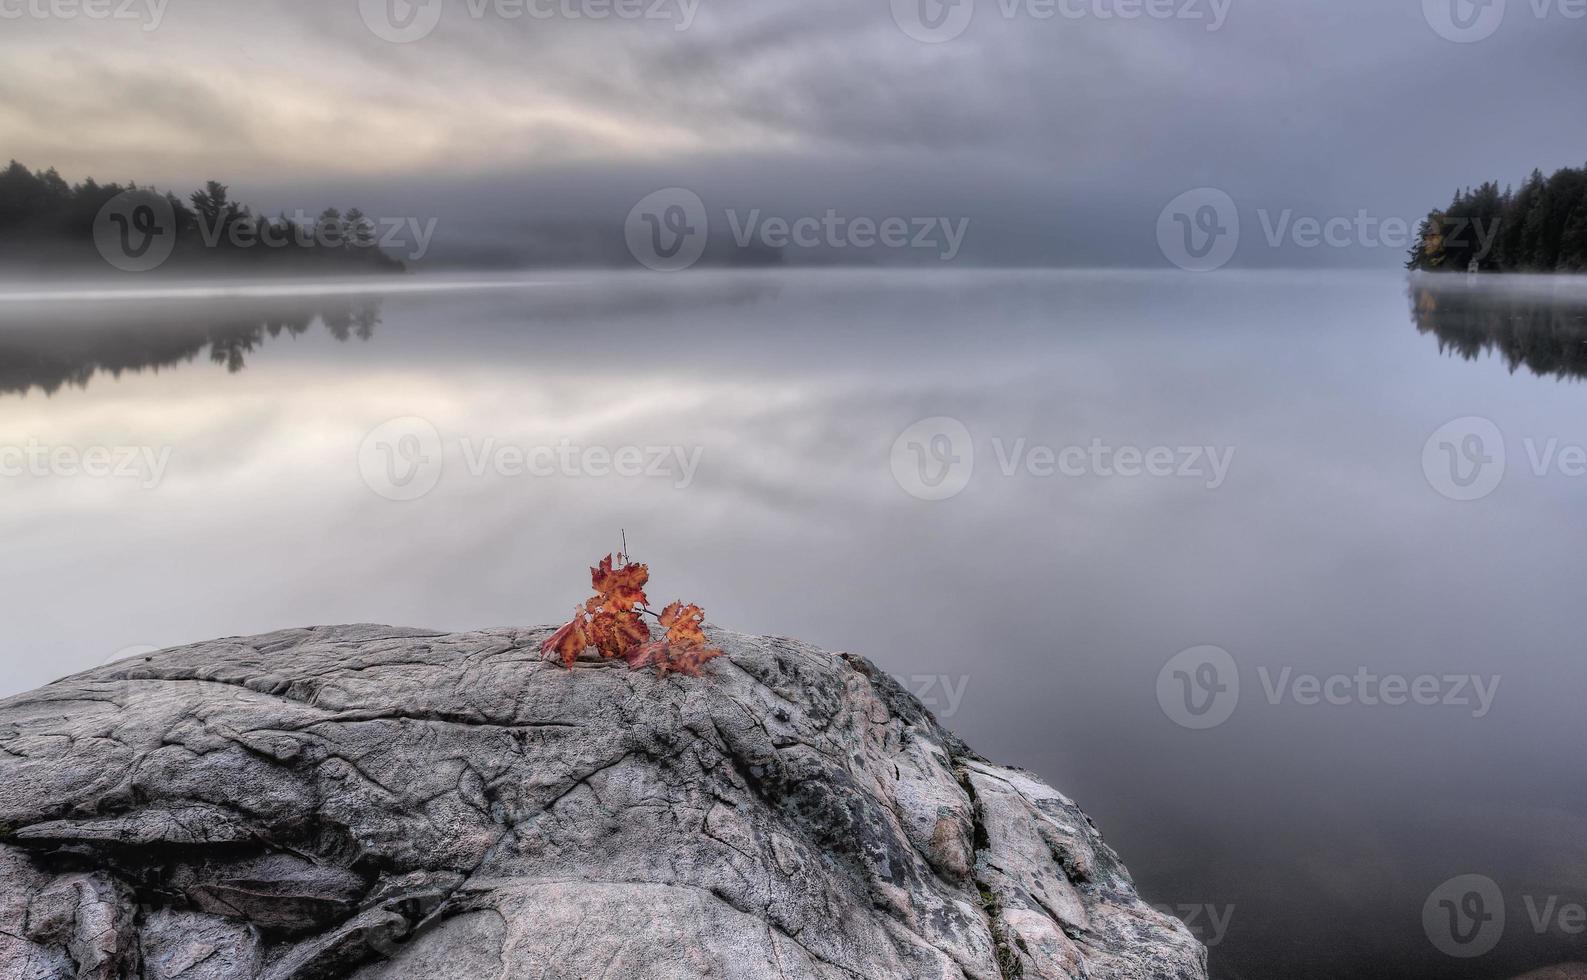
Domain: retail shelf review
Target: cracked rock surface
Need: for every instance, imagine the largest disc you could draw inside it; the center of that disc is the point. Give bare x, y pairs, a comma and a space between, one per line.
376, 803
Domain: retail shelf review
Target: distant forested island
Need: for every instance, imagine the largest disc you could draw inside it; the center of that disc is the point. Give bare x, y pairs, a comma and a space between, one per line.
48, 224
1542, 227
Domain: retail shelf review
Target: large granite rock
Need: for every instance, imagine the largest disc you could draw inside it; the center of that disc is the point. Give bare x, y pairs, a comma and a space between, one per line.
376, 803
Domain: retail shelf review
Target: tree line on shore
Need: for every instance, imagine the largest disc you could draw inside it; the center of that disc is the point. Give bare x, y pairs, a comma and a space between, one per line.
46, 221
1539, 227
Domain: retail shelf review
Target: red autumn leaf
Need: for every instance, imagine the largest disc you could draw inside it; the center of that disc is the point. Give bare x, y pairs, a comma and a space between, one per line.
684, 623
621, 589
688, 659
615, 633
612, 621
643, 656
569, 641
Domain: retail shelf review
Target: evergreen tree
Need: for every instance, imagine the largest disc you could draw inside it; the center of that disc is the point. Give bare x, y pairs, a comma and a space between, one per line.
47, 221
1542, 227
360, 230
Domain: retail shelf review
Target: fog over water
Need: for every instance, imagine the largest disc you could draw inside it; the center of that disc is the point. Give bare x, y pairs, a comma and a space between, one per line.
784, 485
1058, 130
1277, 573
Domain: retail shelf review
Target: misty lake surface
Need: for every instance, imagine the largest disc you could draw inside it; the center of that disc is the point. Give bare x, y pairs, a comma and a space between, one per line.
1024, 493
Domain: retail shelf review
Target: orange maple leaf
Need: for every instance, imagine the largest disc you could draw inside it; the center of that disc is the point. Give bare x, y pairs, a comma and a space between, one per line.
569, 641
621, 589
684, 623
613, 622
654, 652
686, 644
615, 633
688, 659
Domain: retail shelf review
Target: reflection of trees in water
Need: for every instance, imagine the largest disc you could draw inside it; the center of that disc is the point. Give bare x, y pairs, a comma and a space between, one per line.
51, 349
1546, 334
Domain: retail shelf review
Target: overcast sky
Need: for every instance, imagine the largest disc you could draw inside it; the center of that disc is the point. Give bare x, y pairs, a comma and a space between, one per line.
1061, 129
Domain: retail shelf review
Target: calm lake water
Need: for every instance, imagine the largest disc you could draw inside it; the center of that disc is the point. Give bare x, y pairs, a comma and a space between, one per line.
1024, 493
